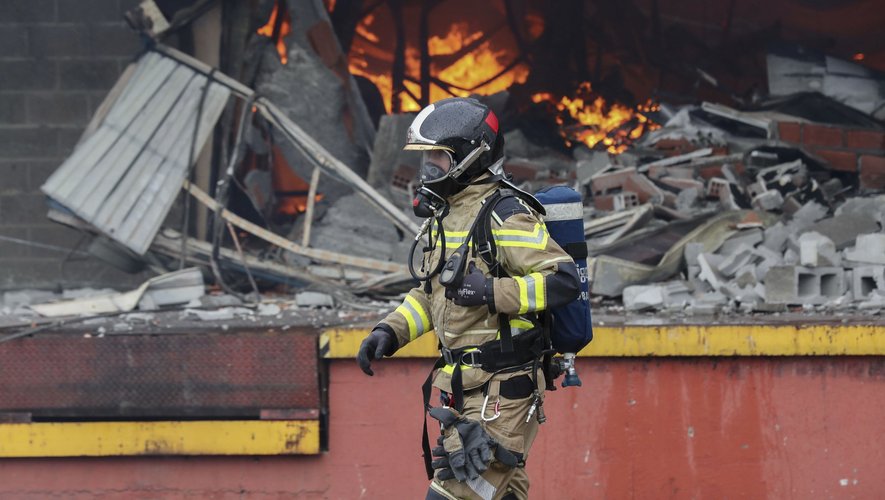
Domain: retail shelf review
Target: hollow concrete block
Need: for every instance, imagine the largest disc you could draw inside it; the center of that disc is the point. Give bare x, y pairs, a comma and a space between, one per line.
803, 285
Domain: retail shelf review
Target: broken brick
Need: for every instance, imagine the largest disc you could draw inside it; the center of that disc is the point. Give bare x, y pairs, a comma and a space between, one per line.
789, 131
710, 171
675, 147
844, 161
616, 202
601, 184
821, 135
865, 139
872, 173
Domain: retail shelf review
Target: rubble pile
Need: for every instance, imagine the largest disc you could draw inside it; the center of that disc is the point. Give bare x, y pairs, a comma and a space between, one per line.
732, 223
693, 209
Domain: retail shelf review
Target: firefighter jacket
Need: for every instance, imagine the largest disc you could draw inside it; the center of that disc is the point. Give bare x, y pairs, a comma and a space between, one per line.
526, 252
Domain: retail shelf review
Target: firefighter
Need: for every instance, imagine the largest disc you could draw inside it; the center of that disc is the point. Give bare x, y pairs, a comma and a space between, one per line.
486, 310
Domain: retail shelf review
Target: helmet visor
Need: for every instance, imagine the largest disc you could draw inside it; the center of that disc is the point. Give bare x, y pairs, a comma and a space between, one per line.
435, 164
439, 157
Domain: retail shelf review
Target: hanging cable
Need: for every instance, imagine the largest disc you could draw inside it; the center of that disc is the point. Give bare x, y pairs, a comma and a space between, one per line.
222, 195
191, 162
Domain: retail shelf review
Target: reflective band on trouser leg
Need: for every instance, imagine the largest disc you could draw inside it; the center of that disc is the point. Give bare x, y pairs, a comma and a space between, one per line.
415, 317
536, 238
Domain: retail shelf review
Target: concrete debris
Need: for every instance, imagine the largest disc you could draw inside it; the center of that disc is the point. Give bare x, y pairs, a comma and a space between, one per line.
867, 280
268, 309
740, 240
178, 287
314, 299
641, 297
870, 249
803, 285
817, 250
775, 237
843, 229
225, 313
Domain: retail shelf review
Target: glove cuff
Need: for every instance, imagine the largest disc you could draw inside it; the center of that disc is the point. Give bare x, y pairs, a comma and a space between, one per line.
394, 340
489, 295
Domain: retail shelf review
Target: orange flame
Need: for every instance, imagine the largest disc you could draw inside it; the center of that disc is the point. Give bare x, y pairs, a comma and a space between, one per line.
285, 29
468, 71
587, 118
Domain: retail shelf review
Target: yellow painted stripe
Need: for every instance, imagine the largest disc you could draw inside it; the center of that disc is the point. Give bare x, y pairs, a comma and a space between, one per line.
539, 291
523, 294
101, 439
683, 340
421, 312
413, 328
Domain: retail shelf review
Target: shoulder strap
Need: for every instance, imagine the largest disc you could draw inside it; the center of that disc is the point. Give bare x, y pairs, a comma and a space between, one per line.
484, 245
483, 240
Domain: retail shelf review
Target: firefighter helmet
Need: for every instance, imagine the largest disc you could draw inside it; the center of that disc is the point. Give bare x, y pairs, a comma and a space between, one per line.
460, 142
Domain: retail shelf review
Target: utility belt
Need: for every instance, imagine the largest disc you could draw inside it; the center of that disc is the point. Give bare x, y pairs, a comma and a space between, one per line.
491, 357
496, 356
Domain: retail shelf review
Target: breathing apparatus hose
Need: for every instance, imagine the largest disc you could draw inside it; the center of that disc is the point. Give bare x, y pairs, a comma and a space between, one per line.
425, 228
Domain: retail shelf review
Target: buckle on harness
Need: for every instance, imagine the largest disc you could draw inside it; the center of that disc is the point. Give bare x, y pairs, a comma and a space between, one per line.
447, 356
474, 360
485, 251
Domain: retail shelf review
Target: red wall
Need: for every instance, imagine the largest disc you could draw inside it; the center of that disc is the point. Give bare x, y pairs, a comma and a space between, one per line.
639, 428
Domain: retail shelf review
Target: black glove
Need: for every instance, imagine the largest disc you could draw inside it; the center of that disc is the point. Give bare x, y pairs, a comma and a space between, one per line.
379, 343
466, 446
475, 289
441, 464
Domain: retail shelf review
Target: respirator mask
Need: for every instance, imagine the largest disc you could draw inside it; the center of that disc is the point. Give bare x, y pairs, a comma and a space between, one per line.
436, 183
438, 175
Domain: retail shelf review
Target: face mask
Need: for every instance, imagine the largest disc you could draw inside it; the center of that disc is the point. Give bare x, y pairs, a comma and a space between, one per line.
436, 184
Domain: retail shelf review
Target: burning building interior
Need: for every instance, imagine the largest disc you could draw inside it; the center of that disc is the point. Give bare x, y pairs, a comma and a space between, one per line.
190, 165
726, 138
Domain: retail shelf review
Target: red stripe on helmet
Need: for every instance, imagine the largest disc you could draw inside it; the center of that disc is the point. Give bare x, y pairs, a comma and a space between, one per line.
492, 121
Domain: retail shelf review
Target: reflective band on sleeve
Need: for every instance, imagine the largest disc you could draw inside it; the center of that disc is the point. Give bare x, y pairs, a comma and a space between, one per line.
538, 281
531, 292
415, 316
563, 211
523, 294
536, 238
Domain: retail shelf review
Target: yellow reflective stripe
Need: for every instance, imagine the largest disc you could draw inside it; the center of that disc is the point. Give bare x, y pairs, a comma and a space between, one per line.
453, 237
545, 263
413, 329
539, 291
451, 368
521, 324
536, 238
425, 322
517, 326
523, 294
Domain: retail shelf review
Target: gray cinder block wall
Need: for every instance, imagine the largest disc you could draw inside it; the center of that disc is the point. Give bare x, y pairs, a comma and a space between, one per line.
58, 59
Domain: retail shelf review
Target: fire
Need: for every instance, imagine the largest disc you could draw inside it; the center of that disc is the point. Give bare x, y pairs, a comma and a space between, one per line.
285, 28
480, 71
587, 118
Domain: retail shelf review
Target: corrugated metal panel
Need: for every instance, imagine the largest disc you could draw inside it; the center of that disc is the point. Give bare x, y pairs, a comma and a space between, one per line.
124, 177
